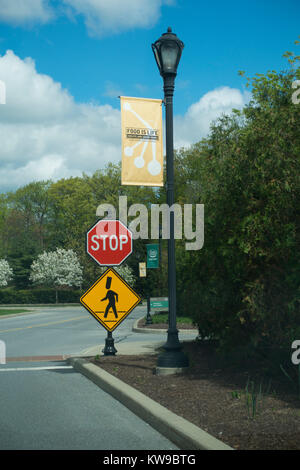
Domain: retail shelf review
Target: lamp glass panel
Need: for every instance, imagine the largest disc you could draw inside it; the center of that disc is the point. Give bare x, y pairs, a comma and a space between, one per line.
169, 54
156, 56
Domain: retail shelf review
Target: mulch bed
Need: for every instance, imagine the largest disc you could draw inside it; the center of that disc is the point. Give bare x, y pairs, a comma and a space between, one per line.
213, 397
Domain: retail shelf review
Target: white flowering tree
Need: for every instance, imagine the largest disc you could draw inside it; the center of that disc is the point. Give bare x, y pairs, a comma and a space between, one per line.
60, 268
125, 272
6, 273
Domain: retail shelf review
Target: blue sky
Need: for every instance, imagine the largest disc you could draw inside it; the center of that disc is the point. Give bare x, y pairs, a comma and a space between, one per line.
84, 53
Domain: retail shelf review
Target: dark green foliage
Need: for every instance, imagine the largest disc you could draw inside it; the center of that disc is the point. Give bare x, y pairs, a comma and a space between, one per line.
38, 296
243, 287
20, 263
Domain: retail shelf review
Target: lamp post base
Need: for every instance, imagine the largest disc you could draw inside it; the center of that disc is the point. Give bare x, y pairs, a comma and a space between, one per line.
149, 320
109, 349
173, 360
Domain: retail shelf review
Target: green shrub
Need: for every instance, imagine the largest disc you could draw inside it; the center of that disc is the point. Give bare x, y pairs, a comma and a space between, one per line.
242, 287
38, 296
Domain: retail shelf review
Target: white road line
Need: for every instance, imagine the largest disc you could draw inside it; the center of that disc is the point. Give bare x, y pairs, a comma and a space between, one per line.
35, 368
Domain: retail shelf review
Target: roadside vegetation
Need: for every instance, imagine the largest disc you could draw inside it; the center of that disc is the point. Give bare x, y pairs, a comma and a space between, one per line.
159, 318
10, 311
242, 289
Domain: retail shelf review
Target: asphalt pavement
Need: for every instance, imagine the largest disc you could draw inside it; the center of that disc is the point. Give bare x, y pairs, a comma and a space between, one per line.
63, 331
51, 406
48, 404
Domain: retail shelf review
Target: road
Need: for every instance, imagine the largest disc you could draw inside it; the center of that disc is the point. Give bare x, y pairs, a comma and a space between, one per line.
58, 408
47, 404
58, 331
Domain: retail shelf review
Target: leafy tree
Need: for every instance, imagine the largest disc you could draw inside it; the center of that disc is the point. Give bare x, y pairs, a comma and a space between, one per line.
20, 261
125, 272
57, 269
44, 215
26, 216
242, 288
6, 273
3, 216
32, 201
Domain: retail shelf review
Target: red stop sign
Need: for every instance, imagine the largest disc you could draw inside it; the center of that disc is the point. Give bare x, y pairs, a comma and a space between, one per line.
109, 242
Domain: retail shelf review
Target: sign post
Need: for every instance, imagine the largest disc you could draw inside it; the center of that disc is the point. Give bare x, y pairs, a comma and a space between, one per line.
109, 243
109, 348
149, 320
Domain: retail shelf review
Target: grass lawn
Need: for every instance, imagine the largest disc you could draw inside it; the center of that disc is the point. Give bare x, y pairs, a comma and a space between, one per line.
8, 311
163, 318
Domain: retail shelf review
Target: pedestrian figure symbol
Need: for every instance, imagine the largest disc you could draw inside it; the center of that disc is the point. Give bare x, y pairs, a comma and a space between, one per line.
112, 298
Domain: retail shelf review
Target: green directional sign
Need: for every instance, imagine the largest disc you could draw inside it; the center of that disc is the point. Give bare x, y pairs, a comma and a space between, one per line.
153, 256
159, 303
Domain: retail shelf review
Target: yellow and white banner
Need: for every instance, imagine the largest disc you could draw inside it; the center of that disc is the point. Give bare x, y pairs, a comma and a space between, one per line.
142, 147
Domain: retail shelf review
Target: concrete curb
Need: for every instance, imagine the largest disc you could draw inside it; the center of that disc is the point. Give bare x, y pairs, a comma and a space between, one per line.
137, 329
181, 432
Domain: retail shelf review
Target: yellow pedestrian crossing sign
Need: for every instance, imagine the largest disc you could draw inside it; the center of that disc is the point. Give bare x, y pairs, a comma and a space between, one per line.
110, 299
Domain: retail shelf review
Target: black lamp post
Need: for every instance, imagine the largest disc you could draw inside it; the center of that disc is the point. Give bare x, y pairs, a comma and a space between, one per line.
167, 51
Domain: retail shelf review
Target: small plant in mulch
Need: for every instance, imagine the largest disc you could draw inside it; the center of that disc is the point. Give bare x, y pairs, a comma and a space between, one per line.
253, 396
236, 395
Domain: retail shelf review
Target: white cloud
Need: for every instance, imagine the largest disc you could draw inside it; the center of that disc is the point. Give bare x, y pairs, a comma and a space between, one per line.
25, 11
195, 124
45, 134
101, 17
114, 16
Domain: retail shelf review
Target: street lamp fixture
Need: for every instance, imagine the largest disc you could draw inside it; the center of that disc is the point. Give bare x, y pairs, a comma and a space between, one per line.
167, 52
